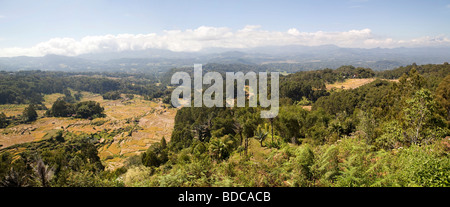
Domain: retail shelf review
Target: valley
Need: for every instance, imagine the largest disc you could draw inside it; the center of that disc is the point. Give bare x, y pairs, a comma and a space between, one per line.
139, 121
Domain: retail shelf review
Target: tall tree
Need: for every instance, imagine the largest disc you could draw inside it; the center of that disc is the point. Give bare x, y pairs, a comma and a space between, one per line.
271, 125
29, 114
60, 109
419, 111
3, 121
443, 94
237, 127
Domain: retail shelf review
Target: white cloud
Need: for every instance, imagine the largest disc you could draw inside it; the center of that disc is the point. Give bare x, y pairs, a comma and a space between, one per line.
220, 37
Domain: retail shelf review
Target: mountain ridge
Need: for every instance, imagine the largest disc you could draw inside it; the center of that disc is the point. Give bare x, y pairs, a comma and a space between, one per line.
300, 57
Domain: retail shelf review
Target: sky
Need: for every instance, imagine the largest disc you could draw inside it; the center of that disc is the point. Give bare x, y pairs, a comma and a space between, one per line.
38, 28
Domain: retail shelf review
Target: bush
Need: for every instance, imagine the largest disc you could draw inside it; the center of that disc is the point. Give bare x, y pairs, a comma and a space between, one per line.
137, 176
88, 109
113, 95
60, 109
155, 154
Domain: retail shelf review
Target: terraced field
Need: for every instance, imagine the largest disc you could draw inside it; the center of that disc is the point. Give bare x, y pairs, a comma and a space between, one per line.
135, 124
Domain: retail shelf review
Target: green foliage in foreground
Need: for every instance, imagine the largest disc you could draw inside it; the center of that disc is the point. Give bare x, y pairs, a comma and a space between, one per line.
350, 162
71, 161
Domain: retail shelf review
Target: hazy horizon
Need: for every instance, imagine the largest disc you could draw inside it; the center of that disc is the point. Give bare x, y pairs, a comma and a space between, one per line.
31, 28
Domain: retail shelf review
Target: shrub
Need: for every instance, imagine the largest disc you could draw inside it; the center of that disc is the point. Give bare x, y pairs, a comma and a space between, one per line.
114, 95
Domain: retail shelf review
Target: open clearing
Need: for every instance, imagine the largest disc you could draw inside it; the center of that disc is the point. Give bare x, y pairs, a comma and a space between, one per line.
352, 83
139, 124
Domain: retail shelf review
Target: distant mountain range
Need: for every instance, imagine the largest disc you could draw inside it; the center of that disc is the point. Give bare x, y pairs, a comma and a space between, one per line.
279, 58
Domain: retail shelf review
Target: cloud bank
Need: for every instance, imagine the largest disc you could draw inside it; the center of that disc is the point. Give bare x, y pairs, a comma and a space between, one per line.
193, 40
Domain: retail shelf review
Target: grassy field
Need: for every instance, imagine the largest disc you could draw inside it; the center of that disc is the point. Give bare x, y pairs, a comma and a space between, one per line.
351, 83
137, 124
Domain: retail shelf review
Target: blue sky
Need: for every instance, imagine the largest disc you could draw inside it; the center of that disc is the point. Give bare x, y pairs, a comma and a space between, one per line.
24, 24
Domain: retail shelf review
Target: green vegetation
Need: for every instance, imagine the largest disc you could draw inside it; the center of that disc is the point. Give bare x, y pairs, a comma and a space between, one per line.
113, 95
55, 162
27, 87
381, 134
86, 109
3, 120
29, 114
384, 133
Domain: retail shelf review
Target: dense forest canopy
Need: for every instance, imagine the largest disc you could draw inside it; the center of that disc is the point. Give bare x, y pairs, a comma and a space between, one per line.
30, 86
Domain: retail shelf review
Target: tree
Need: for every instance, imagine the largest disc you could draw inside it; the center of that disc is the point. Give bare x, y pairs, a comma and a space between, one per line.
43, 173
443, 94
3, 121
15, 178
163, 143
392, 137
237, 127
290, 121
29, 114
78, 96
260, 135
113, 95
59, 136
149, 158
366, 126
68, 96
419, 111
156, 154
85, 109
218, 149
88, 109
271, 126
60, 109
304, 102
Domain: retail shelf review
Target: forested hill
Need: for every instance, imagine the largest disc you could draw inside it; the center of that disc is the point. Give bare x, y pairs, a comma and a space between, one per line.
29, 86
381, 98
381, 134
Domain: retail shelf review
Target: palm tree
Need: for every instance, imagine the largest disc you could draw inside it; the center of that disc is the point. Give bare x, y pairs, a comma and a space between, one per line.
218, 149
261, 135
43, 173
15, 178
203, 131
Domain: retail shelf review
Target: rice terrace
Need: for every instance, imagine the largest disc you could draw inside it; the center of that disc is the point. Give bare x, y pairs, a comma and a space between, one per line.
140, 123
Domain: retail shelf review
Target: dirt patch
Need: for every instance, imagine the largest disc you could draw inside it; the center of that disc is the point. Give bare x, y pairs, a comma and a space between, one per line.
350, 83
